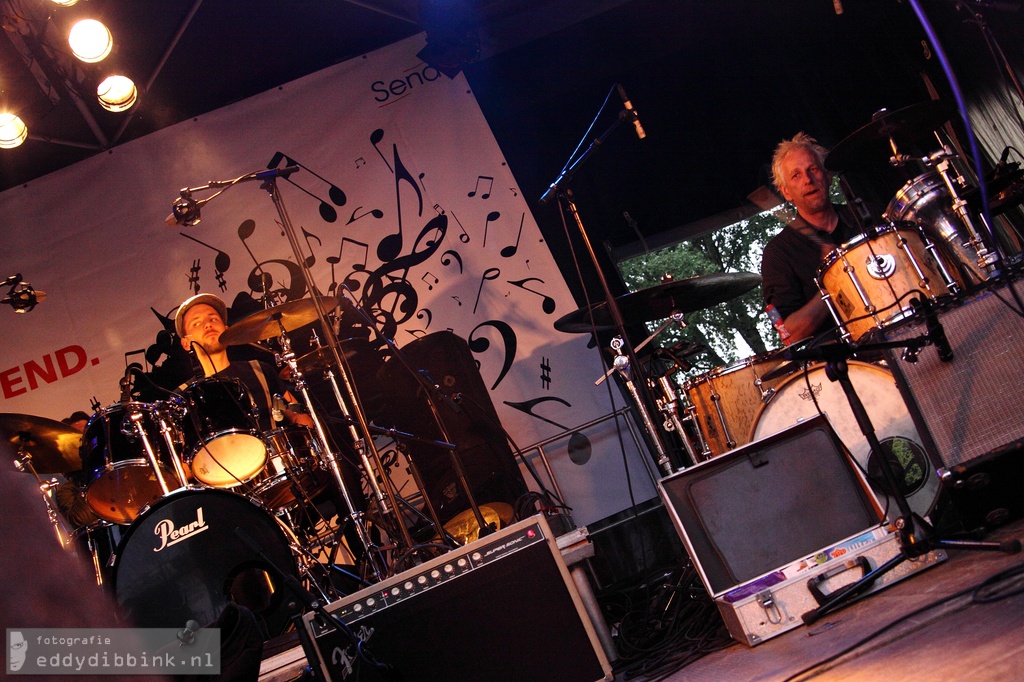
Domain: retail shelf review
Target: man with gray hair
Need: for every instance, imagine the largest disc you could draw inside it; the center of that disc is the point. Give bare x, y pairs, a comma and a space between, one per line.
791, 258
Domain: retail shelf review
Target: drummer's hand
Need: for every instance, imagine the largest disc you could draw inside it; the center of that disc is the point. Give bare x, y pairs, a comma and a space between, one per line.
299, 419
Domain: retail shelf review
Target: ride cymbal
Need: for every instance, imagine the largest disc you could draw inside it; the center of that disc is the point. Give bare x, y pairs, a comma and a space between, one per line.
869, 144
656, 303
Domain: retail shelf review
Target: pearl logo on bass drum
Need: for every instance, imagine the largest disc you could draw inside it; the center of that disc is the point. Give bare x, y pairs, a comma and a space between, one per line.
169, 535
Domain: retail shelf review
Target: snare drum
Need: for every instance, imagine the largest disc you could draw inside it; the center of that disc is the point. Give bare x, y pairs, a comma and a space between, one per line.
726, 399
222, 439
869, 282
294, 460
801, 394
121, 479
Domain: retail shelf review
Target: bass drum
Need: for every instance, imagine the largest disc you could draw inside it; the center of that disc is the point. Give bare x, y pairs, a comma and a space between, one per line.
802, 394
184, 559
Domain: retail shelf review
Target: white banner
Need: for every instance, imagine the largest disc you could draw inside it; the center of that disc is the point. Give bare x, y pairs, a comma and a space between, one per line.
402, 192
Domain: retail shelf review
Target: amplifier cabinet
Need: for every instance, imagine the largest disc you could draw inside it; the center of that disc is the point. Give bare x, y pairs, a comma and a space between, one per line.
743, 514
502, 608
970, 407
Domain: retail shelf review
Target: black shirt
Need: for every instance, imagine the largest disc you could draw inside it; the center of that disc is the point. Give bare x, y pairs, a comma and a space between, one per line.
790, 262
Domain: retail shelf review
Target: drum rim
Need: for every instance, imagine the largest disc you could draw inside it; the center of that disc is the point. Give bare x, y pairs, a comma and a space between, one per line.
860, 239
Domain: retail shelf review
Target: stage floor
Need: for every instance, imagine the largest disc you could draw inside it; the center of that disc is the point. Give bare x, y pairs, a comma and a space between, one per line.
933, 625
937, 624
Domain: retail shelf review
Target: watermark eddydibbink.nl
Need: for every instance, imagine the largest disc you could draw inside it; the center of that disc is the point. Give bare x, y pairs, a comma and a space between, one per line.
113, 651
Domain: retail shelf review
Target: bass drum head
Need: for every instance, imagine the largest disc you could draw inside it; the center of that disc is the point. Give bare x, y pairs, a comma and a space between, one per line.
182, 560
893, 426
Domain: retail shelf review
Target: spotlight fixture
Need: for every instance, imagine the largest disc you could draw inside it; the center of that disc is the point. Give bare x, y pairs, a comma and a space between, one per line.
65, 3
13, 131
117, 93
90, 41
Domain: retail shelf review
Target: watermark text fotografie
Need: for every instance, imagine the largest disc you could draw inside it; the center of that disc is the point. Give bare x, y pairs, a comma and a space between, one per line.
113, 651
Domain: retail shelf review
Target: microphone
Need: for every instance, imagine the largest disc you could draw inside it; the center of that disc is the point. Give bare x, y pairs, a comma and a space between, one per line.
632, 112
24, 300
185, 211
936, 332
188, 635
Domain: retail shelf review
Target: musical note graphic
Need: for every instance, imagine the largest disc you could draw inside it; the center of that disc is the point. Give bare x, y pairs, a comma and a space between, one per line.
193, 276
358, 263
464, 236
375, 213
446, 261
375, 137
487, 193
508, 337
360, 162
221, 263
511, 250
430, 280
527, 406
547, 304
391, 245
545, 373
334, 193
456, 299
489, 274
310, 260
491, 217
425, 313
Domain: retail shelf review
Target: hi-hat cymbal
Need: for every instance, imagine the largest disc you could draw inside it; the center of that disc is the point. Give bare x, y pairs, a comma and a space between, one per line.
53, 445
267, 324
870, 143
655, 303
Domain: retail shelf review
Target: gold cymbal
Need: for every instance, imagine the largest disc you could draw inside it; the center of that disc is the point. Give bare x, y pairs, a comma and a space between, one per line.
267, 324
53, 446
464, 527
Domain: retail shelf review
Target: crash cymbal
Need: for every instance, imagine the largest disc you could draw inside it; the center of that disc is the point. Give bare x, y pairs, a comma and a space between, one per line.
53, 445
266, 324
870, 144
655, 303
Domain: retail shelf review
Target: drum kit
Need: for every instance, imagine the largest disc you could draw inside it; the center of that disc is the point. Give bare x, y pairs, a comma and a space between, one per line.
931, 247
179, 491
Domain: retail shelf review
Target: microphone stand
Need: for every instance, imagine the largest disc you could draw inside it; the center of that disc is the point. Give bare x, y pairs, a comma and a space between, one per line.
916, 536
187, 210
668, 462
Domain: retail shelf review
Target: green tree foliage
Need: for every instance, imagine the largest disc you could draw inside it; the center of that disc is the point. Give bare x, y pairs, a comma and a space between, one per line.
732, 330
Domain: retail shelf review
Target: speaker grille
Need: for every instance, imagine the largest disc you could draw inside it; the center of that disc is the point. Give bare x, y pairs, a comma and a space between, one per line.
969, 407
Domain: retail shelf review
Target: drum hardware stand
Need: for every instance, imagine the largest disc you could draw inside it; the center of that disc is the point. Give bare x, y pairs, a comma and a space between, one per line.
331, 457
385, 505
432, 392
621, 364
23, 462
640, 390
916, 536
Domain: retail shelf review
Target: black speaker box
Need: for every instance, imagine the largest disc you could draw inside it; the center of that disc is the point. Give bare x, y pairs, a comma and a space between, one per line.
969, 408
470, 423
501, 608
769, 503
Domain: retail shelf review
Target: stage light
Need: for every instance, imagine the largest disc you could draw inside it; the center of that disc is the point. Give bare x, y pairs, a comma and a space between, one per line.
90, 41
117, 93
13, 131
65, 3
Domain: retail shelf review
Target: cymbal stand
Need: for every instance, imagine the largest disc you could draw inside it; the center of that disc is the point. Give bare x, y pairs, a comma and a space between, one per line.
23, 462
356, 516
387, 504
